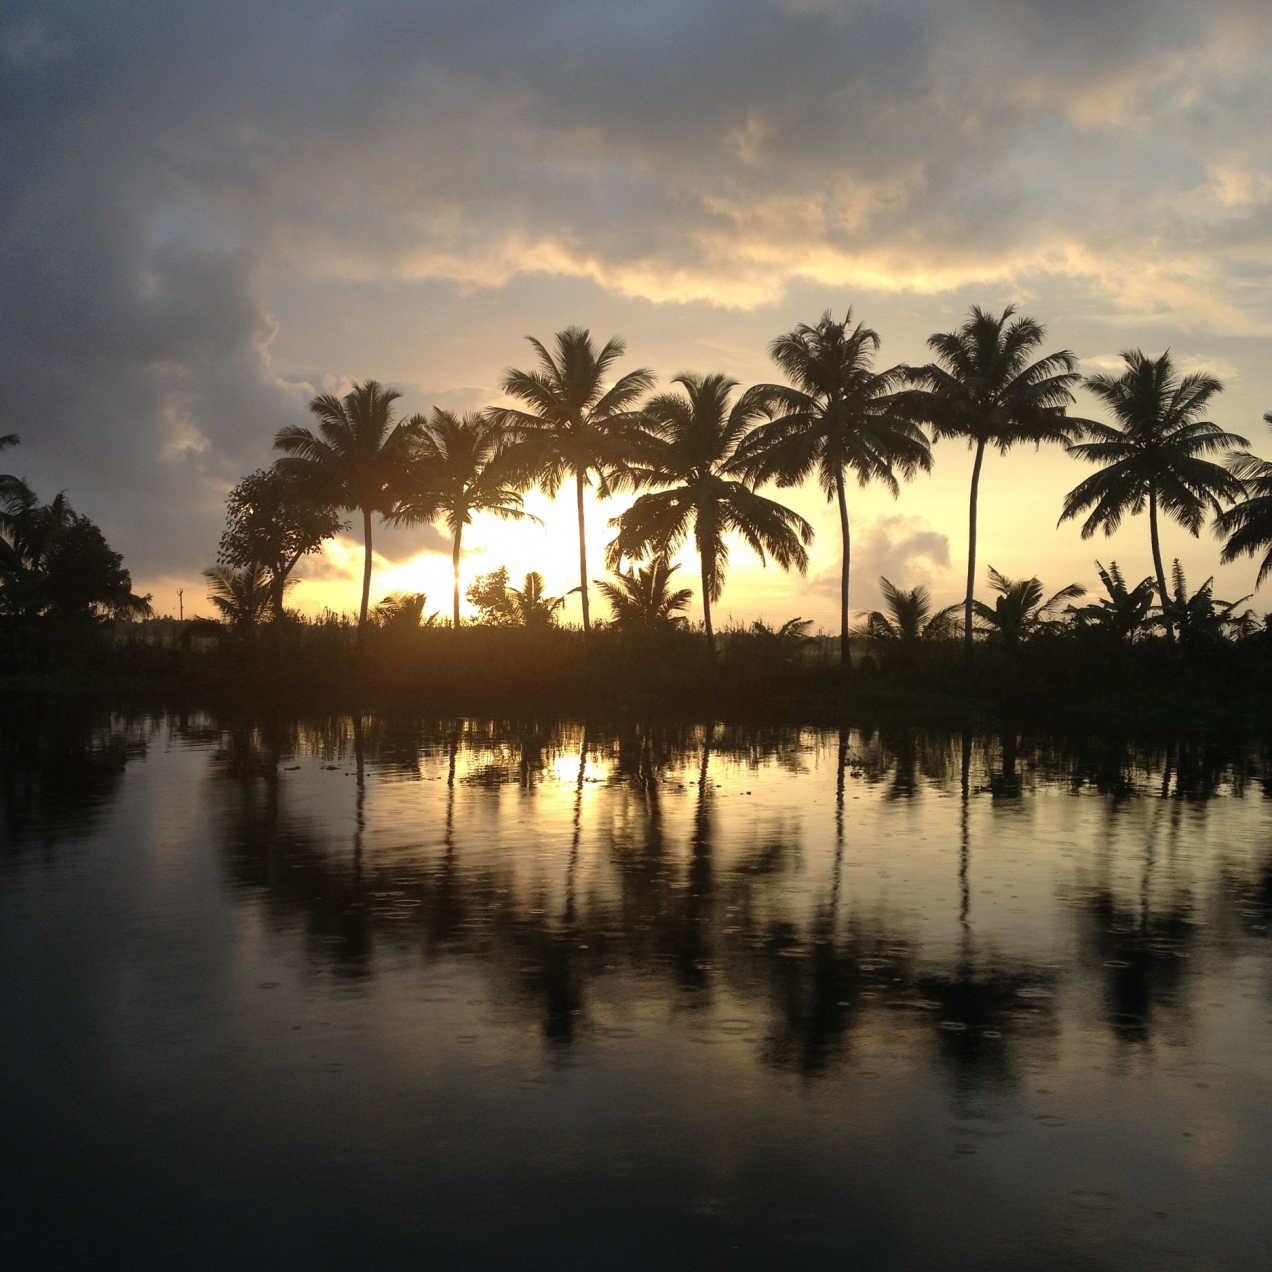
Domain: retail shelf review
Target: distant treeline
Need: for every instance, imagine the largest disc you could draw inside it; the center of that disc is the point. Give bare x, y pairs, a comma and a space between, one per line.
696, 457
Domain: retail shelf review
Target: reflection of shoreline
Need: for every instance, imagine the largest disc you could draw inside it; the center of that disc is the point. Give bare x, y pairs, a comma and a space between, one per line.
569, 862
675, 926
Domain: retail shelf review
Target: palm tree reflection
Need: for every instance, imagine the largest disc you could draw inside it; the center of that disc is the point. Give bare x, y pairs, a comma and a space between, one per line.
664, 907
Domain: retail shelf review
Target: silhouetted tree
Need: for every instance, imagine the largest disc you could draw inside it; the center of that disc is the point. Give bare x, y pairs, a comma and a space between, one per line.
55, 563
488, 594
837, 419
1020, 611
1123, 613
1248, 523
241, 597
357, 460
1153, 455
572, 425
641, 598
688, 445
529, 604
272, 521
909, 618
459, 466
403, 611
984, 388
1202, 620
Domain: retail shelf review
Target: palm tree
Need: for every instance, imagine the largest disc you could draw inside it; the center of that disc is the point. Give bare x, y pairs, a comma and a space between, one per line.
241, 596
356, 461
530, 607
1248, 524
689, 447
909, 618
1153, 456
641, 599
984, 388
574, 425
1123, 613
1020, 612
459, 466
1202, 619
837, 419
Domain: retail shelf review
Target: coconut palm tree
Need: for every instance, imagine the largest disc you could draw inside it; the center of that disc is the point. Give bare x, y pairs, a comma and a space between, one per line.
356, 461
686, 455
572, 424
459, 466
984, 388
530, 606
1248, 523
1020, 612
242, 597
1153, 456
909, 618
1123, 613
641, 599
837, 419
1201, 618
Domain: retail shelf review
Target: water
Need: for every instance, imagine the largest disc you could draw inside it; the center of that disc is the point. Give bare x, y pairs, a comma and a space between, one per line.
547, 996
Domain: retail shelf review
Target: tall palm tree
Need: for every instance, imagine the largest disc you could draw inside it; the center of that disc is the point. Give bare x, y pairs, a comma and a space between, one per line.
641, 598
983, 388
837, 419
572, 425
459, 466
1153, 456
1020, 611
1248, 523
356, 461
687, 452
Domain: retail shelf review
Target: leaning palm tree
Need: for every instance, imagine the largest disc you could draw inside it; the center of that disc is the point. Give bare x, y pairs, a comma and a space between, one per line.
572, 424
908, 618
686, 455
1020, 611
984, 388
242, 597
641, 598
1153, 456
459, 466
357, 460
837, 419
1248, 523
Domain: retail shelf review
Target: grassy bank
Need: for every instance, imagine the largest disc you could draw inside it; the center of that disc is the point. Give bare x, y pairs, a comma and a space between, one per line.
1062, 683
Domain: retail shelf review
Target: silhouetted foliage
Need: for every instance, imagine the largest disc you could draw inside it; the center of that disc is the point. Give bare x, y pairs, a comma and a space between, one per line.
272, 521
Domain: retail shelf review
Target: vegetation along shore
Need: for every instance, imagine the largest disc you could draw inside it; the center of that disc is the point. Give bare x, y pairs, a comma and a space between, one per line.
707, 461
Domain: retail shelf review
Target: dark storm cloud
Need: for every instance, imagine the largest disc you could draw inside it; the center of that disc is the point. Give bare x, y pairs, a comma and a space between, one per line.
160, 161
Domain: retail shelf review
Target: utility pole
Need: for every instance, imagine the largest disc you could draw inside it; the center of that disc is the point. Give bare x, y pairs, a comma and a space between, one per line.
181, 605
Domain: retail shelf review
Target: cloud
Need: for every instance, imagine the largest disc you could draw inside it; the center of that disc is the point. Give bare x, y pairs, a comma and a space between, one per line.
172, 171
904, 549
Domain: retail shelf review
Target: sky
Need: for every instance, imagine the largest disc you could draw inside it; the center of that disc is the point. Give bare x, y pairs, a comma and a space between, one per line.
210, 212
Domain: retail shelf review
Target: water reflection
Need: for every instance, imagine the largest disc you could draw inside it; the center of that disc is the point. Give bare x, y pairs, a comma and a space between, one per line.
944, 944
667, 910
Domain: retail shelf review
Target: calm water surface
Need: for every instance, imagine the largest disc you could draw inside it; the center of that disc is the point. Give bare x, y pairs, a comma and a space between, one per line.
462, 994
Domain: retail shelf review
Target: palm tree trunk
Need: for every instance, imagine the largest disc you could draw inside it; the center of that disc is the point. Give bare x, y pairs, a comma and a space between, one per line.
971, 550
587, 624
459, 534
845, 654
1157, 565
706, 604
366, 568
